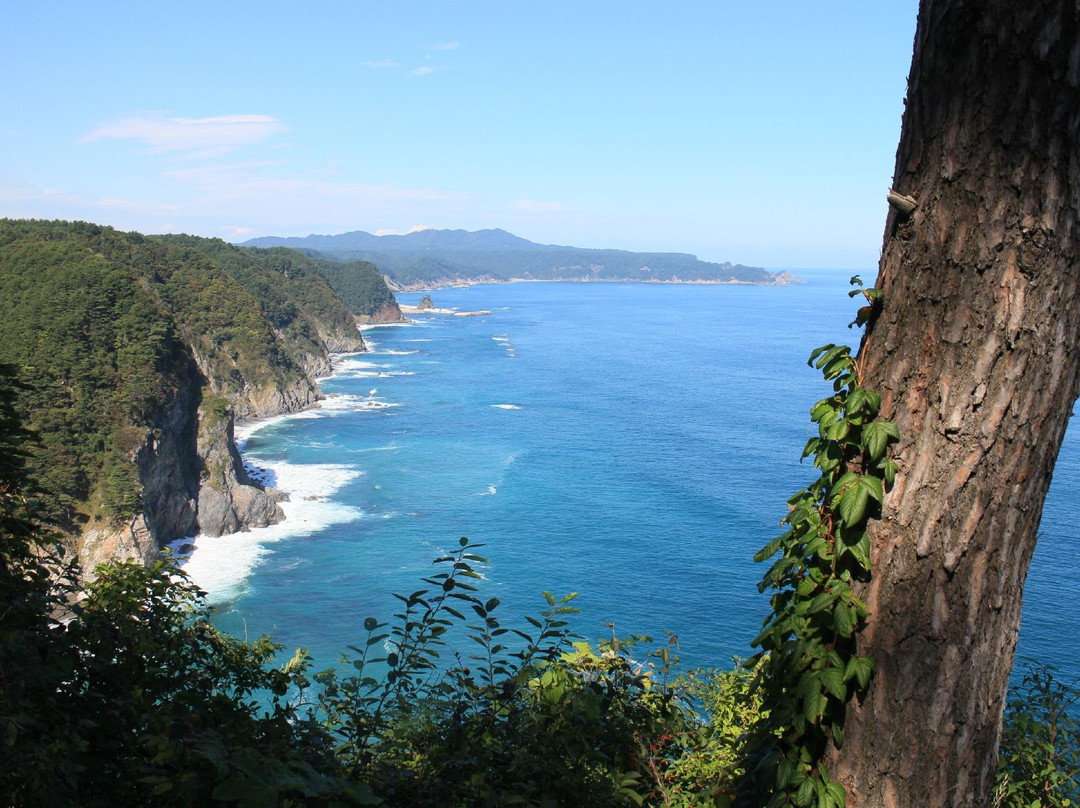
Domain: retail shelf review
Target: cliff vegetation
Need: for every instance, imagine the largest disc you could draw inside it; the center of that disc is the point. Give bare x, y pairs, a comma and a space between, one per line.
134, 354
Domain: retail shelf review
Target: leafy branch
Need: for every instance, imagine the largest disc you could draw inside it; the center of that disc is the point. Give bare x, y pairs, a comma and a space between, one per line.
809, 657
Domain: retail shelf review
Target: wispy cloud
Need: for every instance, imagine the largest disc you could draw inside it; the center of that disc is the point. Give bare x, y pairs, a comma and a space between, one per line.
245, 179
380, 64
445, 46
414, 229
198, 137
423, 71
535, 206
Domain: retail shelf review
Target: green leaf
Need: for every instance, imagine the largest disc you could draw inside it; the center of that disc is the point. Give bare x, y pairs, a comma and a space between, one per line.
861, 668
876, 437
851, 505
836, 793
821, 602
863, 402
860, 550
814, 354
889, 469
814, 706
831, 354
843, 620
838, 431
833, 681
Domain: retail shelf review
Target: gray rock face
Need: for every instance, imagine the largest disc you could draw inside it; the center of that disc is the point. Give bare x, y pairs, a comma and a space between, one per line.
336, 343
130, 542
271, 400
390, 313
191, 474
169, 469
229, 500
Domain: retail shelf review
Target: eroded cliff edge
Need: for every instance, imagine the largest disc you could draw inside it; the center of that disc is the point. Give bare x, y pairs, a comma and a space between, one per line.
137, 355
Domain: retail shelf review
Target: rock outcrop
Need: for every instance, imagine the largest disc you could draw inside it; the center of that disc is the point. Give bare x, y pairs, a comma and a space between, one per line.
229, 500
387, 313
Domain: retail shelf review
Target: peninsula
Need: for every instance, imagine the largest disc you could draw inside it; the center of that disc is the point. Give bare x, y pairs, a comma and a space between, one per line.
428, 259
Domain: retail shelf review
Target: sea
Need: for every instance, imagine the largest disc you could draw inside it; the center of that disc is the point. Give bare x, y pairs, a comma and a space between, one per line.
631, 443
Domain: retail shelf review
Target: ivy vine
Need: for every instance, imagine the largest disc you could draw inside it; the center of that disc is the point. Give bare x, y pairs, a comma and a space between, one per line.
809, 660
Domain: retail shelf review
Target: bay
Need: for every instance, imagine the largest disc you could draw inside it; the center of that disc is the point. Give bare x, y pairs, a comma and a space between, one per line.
634, 443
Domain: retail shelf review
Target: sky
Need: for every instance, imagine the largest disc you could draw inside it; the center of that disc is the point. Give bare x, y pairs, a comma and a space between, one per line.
762, 133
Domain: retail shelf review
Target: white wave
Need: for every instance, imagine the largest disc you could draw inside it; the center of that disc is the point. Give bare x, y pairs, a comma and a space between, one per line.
506, 406
492, 490
397, 353
370, 326
244, 430
342, 402
221, 565
359, 364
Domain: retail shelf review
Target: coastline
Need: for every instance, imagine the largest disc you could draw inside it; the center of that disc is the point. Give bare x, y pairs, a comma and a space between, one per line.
784, 278
222, 565
407, 309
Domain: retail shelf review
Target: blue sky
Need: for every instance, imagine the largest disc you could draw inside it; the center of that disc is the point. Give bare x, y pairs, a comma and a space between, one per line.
762, 133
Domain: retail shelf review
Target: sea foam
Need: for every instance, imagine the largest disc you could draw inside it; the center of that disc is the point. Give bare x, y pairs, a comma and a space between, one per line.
221, 565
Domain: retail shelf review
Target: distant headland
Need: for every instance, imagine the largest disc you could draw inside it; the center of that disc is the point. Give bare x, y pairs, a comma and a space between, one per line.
428, 259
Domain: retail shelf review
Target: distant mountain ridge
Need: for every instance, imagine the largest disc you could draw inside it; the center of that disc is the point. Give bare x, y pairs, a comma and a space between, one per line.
426, 258
429, 239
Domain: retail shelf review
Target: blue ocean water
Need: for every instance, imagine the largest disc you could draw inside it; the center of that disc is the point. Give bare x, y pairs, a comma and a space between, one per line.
633, 443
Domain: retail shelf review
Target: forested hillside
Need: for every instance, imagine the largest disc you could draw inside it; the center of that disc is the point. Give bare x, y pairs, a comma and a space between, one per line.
360, 285
133, 354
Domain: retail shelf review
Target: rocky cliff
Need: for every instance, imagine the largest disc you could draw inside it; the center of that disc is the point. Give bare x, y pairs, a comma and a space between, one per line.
386, 313
136, 356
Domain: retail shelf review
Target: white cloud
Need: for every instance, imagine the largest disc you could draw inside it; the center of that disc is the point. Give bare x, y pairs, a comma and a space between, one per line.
534, 206
234, 230
445, 46
199, 137
380, 64
423, 71
414, 229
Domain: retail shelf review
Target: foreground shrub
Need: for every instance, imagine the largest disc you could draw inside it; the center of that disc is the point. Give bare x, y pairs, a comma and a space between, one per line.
1039, 765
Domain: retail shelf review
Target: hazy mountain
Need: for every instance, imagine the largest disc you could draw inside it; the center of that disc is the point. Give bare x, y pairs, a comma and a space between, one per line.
418, 240
440, 257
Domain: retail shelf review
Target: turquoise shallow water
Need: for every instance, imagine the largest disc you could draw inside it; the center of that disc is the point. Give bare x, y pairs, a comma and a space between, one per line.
634, 443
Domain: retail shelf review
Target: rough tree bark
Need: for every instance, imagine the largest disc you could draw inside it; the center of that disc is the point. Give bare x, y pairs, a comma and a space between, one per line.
976, 354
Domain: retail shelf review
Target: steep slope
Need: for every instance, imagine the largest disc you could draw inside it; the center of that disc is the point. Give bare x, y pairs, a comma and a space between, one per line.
301, 308
363, 289
135, 355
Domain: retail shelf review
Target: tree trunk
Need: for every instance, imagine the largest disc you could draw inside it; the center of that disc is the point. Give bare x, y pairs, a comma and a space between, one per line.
976, 354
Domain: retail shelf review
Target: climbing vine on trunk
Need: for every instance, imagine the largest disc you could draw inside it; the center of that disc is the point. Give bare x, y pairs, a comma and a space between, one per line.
809, 656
